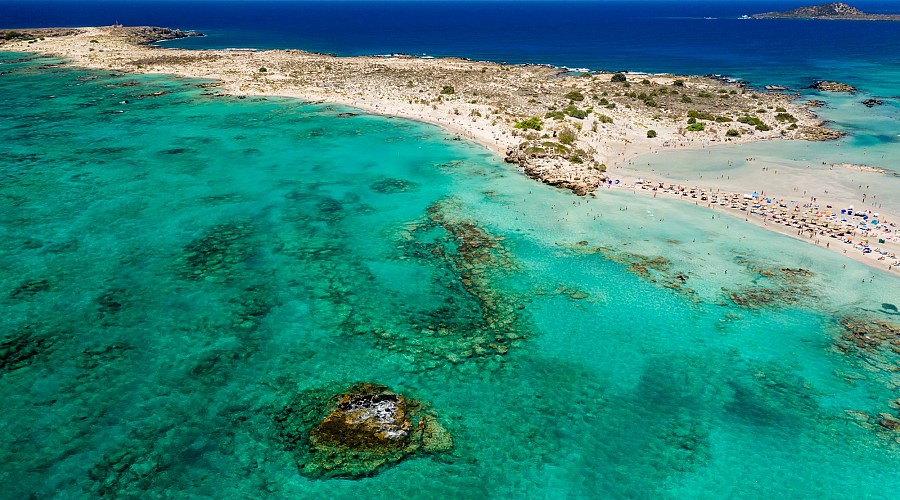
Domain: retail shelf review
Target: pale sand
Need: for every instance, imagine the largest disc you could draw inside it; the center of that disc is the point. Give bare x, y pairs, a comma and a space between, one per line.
488, 99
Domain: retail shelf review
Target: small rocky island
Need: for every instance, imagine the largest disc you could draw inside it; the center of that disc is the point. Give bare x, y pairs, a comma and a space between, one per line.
357, 431
837, 10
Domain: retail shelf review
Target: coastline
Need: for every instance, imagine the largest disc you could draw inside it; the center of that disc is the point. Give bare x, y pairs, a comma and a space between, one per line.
485, 103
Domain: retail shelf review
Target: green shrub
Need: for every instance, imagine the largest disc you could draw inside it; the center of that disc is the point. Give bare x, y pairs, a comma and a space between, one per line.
645, 82
786, 118
692, 120
533, 123
779, 109
793, 126
723, 119
704, 94
603, 118
696, 127
651, 134
700, 115
687, 100
574, 112
678, 83
555, 115
618, 78
585, 75
763, 127
448, 89
566, 136
751, 120
732, 133
262, 70
575, 96
576, 159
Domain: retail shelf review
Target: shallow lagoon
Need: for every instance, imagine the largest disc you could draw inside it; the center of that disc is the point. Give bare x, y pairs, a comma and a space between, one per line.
175, 268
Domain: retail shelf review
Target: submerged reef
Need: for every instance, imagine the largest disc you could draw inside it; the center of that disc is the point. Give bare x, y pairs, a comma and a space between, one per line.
23, 347
211, 256
869, 333
469, 315
392, 186
875, 342
771, 286
653, 268
358, 431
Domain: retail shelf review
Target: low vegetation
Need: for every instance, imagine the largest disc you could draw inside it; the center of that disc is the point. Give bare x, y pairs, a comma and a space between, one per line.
533, 123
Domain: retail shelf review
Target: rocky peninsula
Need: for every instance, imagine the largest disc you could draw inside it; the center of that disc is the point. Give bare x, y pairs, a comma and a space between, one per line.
563, 128
828, 11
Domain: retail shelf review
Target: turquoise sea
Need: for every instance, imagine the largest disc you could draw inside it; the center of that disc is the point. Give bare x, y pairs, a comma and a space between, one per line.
175, 269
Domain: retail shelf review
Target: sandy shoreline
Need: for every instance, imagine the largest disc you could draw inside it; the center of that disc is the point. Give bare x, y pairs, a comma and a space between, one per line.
570, 131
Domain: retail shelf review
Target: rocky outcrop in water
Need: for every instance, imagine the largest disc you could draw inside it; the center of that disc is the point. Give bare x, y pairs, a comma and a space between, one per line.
554, 174
867, 333
818, 134
836, 10
358, 431
869, 103
833, 87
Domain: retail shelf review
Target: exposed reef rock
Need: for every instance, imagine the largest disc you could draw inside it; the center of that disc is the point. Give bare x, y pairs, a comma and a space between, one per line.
870, 103
818, 134
357, 432
552, 170
868, 334
833, 87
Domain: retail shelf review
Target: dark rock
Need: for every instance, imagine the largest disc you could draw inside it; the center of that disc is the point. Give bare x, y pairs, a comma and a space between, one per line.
867, 334
869, 103
357, 432
833, 87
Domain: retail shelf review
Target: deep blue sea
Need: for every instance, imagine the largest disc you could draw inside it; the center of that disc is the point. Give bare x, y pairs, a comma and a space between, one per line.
680, 37
189, 281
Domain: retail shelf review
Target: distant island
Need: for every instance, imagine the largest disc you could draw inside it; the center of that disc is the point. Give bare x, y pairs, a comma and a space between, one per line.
837, 10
